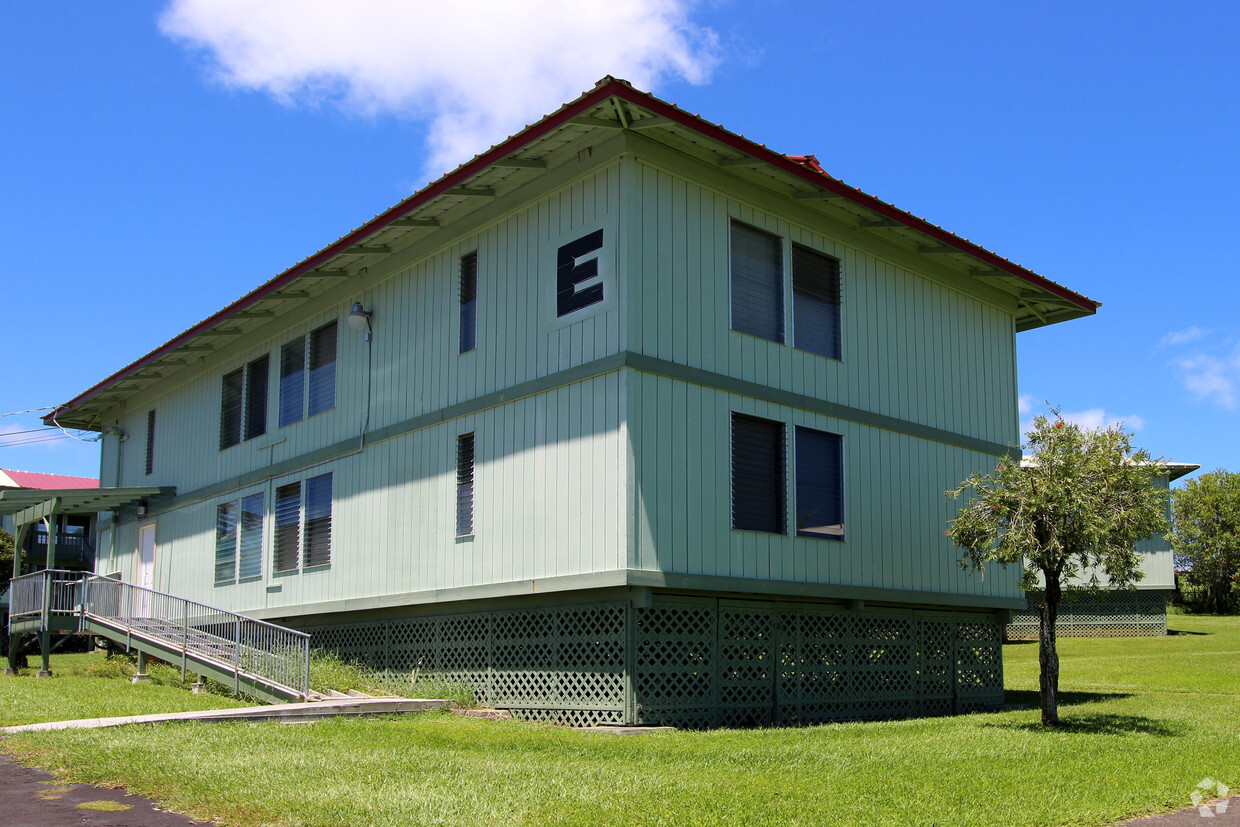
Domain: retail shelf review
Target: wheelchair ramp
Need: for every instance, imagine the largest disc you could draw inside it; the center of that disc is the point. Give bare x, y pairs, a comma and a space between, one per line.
261, 659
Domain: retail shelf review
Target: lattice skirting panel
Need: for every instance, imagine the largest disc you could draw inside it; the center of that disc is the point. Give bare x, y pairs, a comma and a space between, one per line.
560, 664
1109, 614
724, 663
695, 662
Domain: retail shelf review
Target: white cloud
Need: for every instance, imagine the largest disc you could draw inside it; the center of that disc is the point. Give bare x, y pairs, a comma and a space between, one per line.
1024, 404
1212, 378
1182, 337
477, 70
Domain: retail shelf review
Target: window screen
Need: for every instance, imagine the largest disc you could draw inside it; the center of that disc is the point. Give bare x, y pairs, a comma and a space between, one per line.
820, 484
292, 382
759, 479
230, 408
318, 521
288, 527
757, 283
225, 542
321, 385
250, 548
256, 397
816, 302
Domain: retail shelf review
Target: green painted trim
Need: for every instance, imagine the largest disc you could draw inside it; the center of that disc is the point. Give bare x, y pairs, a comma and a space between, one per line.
632, 578
792, 588
718, 381
581, 373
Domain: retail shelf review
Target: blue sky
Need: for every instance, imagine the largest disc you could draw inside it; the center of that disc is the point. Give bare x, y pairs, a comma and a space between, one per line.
162, 159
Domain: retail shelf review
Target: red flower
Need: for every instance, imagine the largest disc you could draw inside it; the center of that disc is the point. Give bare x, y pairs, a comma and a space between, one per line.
1059, 424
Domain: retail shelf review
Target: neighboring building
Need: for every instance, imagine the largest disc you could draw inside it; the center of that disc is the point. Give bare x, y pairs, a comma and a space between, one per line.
74, 549
1137, 612
627, 420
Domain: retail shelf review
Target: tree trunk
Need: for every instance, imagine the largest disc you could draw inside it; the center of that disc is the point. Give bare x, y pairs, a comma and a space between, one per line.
1048, 655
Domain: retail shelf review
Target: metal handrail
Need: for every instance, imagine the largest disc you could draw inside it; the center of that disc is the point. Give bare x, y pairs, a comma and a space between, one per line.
237, 643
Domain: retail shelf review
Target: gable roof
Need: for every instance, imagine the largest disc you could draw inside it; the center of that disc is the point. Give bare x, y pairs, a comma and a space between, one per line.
611, 105
31, 479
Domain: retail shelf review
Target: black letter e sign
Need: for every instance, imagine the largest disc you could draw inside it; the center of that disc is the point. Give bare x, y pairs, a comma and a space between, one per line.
572, 272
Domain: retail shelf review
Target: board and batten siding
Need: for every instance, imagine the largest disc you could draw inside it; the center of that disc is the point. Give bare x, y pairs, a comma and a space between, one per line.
415, 361
913, 348
549, 500
895, 511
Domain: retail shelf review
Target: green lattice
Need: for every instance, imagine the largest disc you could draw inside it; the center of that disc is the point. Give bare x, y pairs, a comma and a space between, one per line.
1108, 614
696, 663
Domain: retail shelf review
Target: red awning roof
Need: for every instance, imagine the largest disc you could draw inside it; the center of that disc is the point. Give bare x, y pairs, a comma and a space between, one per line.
33, 479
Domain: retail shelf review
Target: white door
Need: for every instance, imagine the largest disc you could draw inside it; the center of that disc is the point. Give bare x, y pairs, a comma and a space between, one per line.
145, 574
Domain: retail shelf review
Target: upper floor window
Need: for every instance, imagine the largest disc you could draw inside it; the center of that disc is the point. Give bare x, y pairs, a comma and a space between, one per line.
150, 442
243, 402
469, 302
758, 287
757, 283
815, 302
308, 375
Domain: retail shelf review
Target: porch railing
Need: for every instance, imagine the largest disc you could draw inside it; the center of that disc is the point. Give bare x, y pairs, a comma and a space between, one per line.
226, 640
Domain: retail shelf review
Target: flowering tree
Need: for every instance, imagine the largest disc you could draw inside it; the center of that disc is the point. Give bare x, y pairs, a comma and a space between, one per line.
1205, 536
1076, 506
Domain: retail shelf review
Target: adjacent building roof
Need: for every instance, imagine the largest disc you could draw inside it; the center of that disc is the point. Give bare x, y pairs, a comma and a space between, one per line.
613, 105
31, 479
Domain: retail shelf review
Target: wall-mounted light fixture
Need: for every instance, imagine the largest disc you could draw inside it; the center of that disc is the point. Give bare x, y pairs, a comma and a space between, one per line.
359, 319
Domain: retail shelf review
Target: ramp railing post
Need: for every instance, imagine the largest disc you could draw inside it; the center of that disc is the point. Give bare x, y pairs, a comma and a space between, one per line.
237, 658
305, 685
185, 636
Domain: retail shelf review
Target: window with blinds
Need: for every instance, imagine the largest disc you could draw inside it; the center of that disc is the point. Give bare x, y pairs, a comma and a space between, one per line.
230, 408
288, 528
815, 302
318, 533
150, 442
321, 381
243, 403
757, 283
819, 484
303, 530
292, 382
468, 298
759, 481
226, 542
239, 539
465, 485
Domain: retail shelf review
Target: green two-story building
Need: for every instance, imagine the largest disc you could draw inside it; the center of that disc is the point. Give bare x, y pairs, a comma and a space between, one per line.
627, 420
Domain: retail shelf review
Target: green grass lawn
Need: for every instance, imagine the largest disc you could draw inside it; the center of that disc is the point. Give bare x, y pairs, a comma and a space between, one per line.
1145, 721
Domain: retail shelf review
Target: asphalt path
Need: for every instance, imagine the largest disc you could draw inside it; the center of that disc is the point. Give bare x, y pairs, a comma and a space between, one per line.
34, 798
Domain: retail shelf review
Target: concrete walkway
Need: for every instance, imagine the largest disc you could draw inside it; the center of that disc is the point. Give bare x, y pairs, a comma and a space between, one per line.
287, 713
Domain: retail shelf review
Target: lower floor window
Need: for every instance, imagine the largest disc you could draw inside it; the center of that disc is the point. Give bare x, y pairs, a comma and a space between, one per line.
303, 533
760, 477
239, 539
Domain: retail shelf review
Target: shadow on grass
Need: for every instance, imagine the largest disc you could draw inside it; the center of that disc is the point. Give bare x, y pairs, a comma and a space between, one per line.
1102, 724
1183, 632
1029, 697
